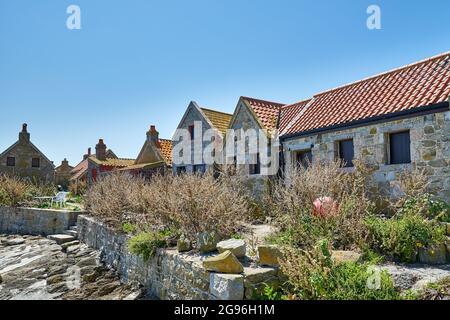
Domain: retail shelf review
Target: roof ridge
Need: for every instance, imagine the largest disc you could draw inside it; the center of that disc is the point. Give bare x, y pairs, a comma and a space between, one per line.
208, 109
261, 100
296, 103
385, 73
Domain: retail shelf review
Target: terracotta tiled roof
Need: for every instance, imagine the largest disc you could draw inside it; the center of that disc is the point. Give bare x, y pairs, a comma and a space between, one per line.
220, 120
166, 150
266, 111
290, 113
420, 84
113, 162
79, 170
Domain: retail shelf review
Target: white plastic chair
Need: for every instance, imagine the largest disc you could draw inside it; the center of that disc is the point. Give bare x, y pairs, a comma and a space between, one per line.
60, 199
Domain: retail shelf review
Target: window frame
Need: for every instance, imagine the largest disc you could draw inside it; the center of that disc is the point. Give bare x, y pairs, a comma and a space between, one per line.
301, 163
392, 151
33, 162
8, 163
340, 155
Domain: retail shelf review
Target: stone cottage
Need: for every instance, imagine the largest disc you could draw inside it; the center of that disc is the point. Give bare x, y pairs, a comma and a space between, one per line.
251, 113
63, 174
196, 121
154, 157
24, 159
104, 161
396, 121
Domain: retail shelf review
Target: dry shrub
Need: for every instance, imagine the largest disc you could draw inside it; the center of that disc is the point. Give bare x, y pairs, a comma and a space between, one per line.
188, 203
78, 188
293, 204
16, 191
112, 197
13, 191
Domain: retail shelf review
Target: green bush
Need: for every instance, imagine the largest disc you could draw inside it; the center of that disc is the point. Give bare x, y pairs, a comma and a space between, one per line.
312, 275
428, 206
401, 236
145, 244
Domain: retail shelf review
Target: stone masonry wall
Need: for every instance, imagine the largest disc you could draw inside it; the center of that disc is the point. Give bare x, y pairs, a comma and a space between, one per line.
430, 150
192, 116
170, 275
30, 221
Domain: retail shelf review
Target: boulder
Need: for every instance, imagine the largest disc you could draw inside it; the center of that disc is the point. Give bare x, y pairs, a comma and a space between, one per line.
269, 255
207, 241
339, 256
225, 262
237, 246
226, 286
434, 255
183, 245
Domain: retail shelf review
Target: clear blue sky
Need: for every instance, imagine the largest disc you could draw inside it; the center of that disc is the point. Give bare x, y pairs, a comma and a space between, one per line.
140, 62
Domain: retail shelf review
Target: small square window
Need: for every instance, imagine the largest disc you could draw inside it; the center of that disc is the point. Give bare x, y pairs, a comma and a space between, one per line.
10, 161
303, 158
399, 148
346, 152
35, 162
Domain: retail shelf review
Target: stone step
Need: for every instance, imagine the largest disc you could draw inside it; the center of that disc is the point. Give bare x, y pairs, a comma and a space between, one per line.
71, 233
61, 238
71, 243
74, 228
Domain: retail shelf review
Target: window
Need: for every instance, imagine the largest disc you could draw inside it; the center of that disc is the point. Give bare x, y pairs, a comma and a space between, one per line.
191, 131
10, 161
346, 152
199, 168
399, 148
255, 168
35, 162
181, 170
303, 158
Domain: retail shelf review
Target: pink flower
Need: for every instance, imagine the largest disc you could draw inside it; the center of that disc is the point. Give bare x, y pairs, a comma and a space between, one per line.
325, 207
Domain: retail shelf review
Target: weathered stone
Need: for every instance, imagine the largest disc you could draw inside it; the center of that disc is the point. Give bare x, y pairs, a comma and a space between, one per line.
269, 255
207, 241
183, 245
68, 244
257, 275
237, 246
15, 241
428, 130
225, 262
434, 255
55, 279
89, 261
227, 286
108, 288
339, 256
61, 238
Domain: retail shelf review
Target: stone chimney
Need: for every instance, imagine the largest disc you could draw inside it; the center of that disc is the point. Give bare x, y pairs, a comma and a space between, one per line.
153, 135
24, 135
100, 150
88, 154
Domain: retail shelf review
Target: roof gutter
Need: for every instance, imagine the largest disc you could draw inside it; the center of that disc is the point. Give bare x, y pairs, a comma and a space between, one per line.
434, 108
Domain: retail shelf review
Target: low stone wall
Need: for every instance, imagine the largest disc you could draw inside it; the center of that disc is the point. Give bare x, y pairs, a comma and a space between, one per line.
170, 275
32, 221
